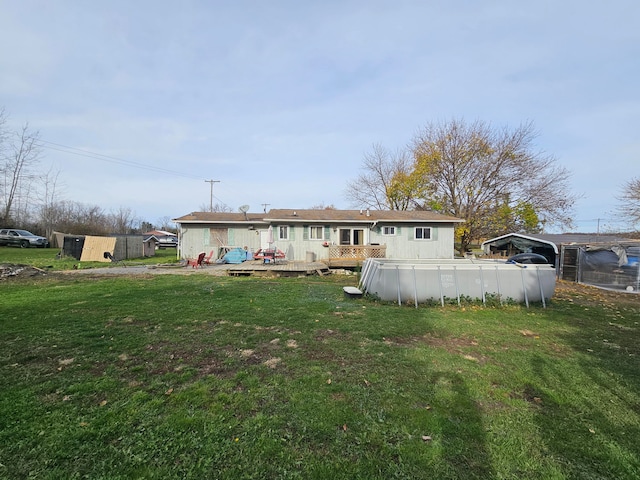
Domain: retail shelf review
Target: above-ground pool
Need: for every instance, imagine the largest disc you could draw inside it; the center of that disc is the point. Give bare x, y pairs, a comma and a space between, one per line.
420, 281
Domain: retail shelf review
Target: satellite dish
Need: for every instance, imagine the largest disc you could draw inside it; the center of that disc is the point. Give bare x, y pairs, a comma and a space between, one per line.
244, 209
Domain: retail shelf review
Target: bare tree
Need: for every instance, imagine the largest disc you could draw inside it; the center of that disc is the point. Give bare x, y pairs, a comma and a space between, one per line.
48, 196
3, 130
79, 219
322, 206
166, 224
216, 207
20, 155
122, 220
629, 201
380, 184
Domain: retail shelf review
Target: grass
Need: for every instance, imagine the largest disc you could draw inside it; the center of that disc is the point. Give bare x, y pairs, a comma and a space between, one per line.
217, 377
47, 258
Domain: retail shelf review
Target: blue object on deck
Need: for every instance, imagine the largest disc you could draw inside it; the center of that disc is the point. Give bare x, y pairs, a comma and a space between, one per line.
237, 255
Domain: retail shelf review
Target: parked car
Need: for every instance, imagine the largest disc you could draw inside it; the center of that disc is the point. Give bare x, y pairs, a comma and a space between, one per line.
163, 241
167, 242
22, 238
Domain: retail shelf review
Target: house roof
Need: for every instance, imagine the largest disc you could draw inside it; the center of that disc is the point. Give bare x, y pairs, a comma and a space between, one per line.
357, 216
324, 216
220, 217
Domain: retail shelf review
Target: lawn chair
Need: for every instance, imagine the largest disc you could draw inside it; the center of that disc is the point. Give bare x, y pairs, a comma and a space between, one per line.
208, 258
197, 262
112, 258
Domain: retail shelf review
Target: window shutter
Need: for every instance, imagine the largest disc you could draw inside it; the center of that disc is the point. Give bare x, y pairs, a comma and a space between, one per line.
434, 233
292, 235
305, 232
231, 233
412, 232
398, 230
327, 232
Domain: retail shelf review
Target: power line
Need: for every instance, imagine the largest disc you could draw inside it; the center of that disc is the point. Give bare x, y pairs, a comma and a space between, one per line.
107, 158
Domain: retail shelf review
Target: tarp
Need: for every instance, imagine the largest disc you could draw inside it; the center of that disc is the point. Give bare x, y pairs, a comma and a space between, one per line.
237, 255
624, 256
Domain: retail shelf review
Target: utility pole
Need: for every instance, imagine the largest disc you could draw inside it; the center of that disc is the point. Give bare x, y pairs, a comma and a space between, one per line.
211, 182
264, 206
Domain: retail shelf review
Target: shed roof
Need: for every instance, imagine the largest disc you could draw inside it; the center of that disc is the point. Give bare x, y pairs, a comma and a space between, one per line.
555, 240
520, 240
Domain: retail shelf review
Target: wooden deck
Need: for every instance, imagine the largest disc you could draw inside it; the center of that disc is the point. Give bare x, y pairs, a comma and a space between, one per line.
347, 256
281, 268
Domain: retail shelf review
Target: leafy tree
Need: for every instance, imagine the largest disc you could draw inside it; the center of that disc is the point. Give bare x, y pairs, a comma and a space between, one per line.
492, 178
629, 201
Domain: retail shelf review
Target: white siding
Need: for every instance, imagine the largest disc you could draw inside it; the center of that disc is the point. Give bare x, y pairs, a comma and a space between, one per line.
404, 245
198, 238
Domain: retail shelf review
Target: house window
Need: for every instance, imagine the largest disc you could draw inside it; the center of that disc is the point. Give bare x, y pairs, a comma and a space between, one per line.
388, 230
316, 233
423, 233
283, 232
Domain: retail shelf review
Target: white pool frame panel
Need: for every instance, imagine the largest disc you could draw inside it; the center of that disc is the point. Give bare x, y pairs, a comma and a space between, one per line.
419, 281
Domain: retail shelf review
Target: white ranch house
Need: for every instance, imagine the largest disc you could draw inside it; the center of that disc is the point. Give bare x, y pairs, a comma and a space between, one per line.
336, 237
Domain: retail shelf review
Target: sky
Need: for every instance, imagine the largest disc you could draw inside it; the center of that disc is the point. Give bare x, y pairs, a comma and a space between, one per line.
139, 103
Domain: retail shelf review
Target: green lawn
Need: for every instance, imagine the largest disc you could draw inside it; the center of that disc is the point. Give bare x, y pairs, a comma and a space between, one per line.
49, 259
217, 377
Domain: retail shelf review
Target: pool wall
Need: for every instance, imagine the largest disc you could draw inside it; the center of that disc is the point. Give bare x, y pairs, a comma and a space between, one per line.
419, 281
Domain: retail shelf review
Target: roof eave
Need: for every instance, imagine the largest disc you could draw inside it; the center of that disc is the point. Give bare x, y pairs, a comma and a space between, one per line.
358, 220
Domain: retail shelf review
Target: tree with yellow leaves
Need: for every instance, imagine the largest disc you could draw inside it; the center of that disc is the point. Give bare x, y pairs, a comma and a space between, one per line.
492, 178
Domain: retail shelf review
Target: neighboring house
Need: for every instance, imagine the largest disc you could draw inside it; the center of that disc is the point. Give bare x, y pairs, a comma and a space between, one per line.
161, 238
337, 237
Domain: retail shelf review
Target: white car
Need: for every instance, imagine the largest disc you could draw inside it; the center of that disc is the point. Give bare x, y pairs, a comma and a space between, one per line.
22, 238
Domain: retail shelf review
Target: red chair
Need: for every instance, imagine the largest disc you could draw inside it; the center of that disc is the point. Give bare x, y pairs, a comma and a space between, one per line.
208, 258
195, 263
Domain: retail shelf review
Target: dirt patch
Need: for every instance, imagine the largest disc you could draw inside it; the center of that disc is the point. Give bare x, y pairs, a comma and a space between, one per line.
16, 271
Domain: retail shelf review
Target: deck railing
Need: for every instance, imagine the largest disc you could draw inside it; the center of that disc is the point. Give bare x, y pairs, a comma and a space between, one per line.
357, 252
